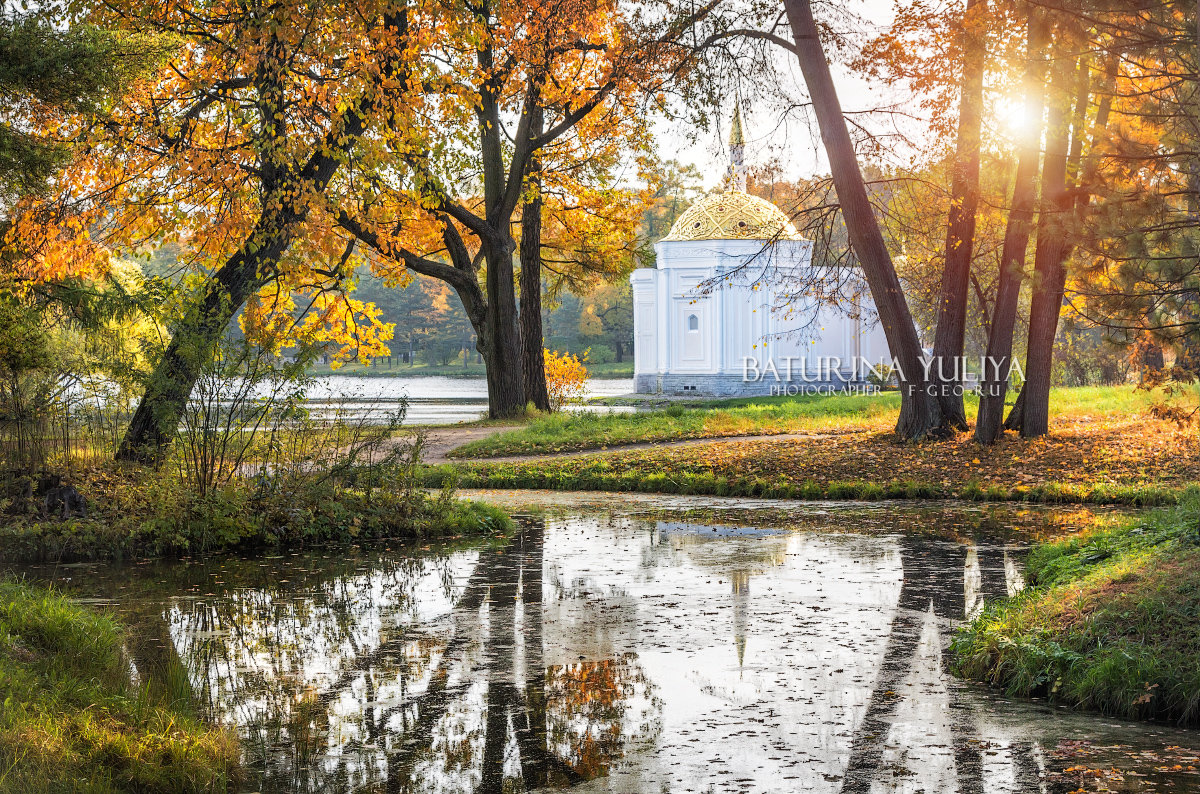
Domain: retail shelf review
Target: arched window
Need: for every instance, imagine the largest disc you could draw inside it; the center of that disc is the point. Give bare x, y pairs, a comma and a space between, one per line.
693, 322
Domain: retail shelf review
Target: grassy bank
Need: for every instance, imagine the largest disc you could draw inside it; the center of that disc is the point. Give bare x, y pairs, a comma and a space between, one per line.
71, 720
1104, 448
1110, 621
571, 432
139, 513
602, 476
764, 416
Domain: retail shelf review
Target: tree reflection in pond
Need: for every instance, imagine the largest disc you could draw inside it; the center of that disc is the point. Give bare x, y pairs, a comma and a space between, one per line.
597, 710
395, 678
608, 653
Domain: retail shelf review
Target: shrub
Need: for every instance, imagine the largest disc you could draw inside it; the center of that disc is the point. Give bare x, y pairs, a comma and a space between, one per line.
601, 354
566, 378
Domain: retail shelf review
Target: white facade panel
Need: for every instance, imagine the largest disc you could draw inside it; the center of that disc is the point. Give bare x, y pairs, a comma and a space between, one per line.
711, 305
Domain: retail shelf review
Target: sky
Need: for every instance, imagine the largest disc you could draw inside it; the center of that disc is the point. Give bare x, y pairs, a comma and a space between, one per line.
793, 141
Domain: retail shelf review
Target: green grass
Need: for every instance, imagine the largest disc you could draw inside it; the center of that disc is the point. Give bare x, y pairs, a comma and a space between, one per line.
1110, 621
598, 476
567, 432
1104, 448
71, 720
572, 432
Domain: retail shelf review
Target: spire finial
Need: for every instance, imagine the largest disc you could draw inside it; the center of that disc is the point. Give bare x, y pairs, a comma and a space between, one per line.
737, 153
735, 134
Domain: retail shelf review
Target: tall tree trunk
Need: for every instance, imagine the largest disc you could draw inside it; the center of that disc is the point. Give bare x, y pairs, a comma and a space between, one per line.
920, 413
533, 362
1086, 182
156, 419
502, 347
1031, 413
948, 342
998, 361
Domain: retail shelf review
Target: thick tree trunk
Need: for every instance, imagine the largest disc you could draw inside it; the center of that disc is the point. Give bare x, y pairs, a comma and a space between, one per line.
533, 362
998, 361
496, 335
920, 413
156, 420
501, 348
1031, 413
948, 342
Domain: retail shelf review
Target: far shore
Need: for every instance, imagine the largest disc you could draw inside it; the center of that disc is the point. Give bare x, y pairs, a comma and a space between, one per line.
380, 369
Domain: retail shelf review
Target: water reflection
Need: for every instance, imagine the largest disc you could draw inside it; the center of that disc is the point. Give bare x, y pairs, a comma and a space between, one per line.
604, 652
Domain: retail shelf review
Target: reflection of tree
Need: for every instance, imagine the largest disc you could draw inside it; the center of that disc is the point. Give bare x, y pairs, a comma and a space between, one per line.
567, 722
342, 682
300, 662
160, 671
345, 683
503, 574
422, 714
592, 715
531, 722
933, 579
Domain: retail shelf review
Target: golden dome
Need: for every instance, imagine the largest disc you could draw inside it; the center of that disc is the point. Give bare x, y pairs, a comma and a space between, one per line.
732, 215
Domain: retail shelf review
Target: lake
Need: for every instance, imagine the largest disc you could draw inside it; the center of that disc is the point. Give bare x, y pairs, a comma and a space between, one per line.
431, 400
627, 643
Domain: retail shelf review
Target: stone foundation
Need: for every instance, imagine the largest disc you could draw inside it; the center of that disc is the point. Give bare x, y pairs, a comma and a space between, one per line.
672, 385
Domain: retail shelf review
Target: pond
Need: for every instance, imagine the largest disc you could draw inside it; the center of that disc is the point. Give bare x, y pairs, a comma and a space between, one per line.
627, 644
431, 400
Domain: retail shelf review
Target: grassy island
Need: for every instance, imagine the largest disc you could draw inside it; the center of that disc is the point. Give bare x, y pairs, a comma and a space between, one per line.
1107, 447
157, 516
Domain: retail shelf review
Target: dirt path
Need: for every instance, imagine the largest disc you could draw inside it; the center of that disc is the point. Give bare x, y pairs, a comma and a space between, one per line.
442, 440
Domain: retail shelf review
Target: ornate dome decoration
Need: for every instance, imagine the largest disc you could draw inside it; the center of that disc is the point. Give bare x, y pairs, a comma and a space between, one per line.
732, 215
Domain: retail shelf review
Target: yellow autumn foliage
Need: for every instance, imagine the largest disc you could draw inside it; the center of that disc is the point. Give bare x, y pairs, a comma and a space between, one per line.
566, 378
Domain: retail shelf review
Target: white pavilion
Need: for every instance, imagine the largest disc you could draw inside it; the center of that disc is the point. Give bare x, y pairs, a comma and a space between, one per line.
717, 316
